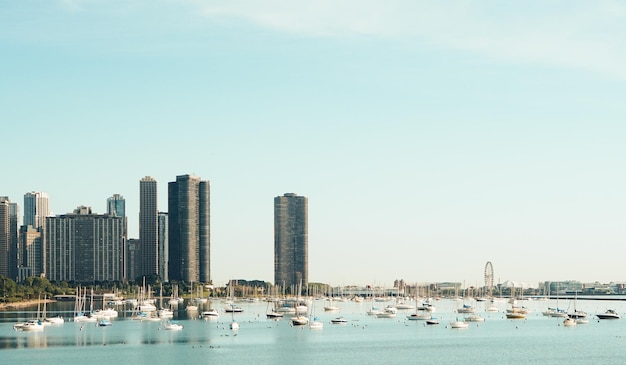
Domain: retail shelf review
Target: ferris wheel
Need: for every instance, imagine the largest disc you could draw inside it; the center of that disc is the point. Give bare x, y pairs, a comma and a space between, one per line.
489, 277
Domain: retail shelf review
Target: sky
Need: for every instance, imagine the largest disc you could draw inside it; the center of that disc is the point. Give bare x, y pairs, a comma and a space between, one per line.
429, 137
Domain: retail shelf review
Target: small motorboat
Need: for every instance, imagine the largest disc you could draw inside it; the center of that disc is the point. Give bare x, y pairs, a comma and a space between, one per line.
274, 315
211, 313
339, 320
105, 323
569, 322
172, 326
459, 324
609, 314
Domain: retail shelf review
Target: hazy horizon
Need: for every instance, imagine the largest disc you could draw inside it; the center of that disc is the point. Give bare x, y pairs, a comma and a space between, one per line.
428, 138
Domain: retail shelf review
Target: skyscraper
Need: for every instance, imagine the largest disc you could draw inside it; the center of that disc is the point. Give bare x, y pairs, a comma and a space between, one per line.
84, 247
5, 236
116, 207
148, 227
9, 254
291, 241
189, 229
36, 209
163, 246
30, 252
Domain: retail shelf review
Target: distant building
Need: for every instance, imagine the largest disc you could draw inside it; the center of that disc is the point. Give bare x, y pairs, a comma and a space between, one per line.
31, 252
148, 227
291, 241
36, 209
116, 206
133, 258
5, 235
84, 247
189, 217
163, 246
9, 255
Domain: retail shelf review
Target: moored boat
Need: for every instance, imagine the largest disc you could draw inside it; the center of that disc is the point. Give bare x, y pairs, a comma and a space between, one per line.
339, 320
569, 322
459, 324
299, 321
172, 326
609, 314
211, 313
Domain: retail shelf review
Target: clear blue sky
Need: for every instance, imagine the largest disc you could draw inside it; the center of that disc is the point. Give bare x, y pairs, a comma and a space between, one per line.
429, 137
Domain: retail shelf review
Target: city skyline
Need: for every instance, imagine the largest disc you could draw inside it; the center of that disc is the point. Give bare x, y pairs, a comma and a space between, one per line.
429, 138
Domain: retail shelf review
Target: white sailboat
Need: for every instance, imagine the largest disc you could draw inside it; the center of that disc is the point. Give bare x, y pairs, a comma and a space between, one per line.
56, 320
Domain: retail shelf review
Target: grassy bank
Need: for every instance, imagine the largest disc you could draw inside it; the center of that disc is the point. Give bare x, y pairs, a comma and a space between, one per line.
24, 304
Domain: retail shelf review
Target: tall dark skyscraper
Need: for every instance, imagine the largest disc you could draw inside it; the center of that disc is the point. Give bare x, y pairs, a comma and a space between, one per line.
5, 236
291, 241
148, 227
9, 255
163, 246
189, 217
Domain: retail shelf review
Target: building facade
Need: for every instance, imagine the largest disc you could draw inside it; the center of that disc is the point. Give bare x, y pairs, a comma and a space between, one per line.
163, 246
116, 206
291, 241
31, 252
84, 247
9, 253
189, 229
5, 236
133, 258
148, 227
36, 209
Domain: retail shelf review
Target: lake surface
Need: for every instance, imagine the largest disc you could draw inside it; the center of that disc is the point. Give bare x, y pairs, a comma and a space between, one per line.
364, 340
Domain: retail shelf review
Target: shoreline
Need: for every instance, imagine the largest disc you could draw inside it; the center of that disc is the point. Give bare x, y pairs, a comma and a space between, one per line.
24, 304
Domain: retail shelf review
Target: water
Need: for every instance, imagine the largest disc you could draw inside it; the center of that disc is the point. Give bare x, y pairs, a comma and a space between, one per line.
364, 340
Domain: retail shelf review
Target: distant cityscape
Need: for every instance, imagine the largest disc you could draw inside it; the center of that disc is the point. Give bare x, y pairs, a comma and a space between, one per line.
174, 246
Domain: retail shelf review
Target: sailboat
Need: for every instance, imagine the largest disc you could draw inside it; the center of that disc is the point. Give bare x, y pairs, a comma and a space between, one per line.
515, 312
579, 316
315, 324
273, 314
51, 320
233, 324
32, 325
79, 307
299, 319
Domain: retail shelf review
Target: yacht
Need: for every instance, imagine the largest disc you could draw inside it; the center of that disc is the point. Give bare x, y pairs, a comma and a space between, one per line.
459, 324
474, 318
32, 325
211, 313
172, 326
233, 309
388, 312
609, 314
339, 320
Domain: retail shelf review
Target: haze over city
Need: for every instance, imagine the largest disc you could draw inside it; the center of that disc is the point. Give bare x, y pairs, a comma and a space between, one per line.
428, 138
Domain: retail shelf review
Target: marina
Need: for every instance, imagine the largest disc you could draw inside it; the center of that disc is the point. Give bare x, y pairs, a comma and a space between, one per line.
363, 338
